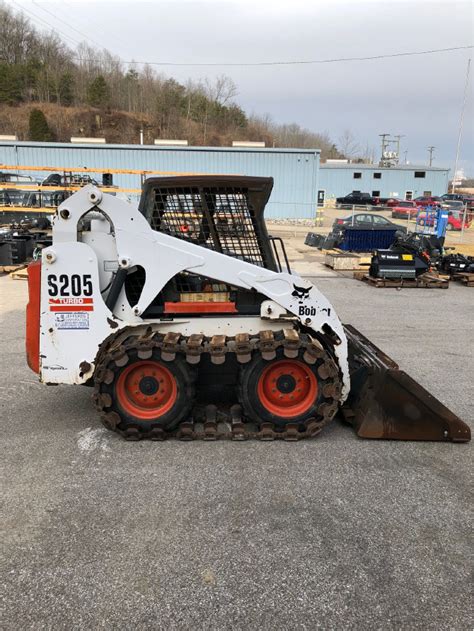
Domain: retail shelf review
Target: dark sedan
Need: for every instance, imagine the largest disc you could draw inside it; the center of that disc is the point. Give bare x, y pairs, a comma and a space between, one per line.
367, 221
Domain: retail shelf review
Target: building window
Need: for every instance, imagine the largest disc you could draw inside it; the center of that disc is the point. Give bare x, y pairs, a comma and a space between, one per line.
377, 176
420, 173
375, 193
426, 193
409, 195
357, 175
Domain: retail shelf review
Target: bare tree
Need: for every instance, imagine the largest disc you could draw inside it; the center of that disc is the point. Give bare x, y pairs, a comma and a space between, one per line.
368, 153
348, 145
18, 40
222, 91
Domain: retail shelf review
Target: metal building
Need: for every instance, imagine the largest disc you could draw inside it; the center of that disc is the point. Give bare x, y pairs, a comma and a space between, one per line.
300, 181
295, 171
403, 181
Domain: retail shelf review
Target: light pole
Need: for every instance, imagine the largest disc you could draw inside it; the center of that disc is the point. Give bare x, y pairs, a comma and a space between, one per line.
384, 147
461, 121
430, 151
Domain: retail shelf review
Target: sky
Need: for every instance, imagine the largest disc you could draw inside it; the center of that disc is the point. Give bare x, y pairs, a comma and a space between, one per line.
419, 97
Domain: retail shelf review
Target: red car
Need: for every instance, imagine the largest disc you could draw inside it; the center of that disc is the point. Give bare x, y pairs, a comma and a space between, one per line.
428, 201
454, 220
405, 210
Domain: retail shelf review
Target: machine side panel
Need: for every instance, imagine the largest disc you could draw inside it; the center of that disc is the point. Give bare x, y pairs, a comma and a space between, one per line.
74, 318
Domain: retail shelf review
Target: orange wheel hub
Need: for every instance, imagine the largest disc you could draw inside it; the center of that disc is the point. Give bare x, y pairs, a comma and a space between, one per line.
146, 390
287, 388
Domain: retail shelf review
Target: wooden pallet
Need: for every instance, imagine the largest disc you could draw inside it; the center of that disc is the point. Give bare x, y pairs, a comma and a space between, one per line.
467, 278
8, 269
425, 281
20, 274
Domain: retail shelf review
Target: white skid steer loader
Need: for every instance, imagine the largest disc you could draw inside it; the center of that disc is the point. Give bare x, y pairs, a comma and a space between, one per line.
181, 316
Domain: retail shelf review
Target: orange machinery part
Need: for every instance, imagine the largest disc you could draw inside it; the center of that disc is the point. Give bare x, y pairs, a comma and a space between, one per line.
33, 316
200, 307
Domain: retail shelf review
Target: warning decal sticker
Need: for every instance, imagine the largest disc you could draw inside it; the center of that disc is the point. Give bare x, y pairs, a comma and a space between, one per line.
72, 321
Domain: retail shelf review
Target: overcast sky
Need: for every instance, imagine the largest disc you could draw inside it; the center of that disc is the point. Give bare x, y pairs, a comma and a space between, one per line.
419, 97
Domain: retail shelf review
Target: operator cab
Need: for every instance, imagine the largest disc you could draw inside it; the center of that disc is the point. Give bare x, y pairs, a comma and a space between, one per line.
221, 213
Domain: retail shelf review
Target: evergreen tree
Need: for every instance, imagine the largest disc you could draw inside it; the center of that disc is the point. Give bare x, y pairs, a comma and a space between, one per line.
98, 92
39, 128
66, 89
10, 83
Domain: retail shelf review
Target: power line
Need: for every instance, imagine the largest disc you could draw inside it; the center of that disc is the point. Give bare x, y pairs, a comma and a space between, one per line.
65, 5
244, 64
37, 17
67, 24
300, 62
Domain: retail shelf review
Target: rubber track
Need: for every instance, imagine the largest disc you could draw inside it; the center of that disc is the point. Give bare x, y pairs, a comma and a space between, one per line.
114, 355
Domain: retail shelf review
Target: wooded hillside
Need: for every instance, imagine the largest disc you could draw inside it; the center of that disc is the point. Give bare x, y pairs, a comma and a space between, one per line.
91, 92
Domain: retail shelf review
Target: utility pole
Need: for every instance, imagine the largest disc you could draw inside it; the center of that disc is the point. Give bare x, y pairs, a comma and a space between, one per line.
397, 140
405, 153
461, 121
385, 143
430, 151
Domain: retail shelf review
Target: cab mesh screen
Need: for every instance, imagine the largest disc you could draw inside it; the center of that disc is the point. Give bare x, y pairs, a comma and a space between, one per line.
219, 219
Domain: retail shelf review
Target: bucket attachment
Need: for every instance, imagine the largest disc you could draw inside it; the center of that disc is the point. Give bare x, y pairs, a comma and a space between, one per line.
385, 402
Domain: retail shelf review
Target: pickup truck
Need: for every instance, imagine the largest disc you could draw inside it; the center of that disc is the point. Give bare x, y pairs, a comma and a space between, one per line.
357, 198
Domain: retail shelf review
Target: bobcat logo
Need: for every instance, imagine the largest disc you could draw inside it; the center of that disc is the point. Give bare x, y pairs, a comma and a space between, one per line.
301, 293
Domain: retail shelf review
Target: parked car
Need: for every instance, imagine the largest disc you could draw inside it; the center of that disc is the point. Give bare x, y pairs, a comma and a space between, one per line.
466, 199
428, 201
367, 221
405, 210
453, 204
452, 196
391, 202
455, 219
356, 198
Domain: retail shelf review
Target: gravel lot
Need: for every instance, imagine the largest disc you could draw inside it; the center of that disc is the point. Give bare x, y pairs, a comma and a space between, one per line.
332, 533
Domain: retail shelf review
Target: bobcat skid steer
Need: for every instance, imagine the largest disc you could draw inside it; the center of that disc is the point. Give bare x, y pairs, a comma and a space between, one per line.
184, 316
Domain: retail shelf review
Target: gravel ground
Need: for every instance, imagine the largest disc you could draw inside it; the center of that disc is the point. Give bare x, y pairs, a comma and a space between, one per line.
332, 533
